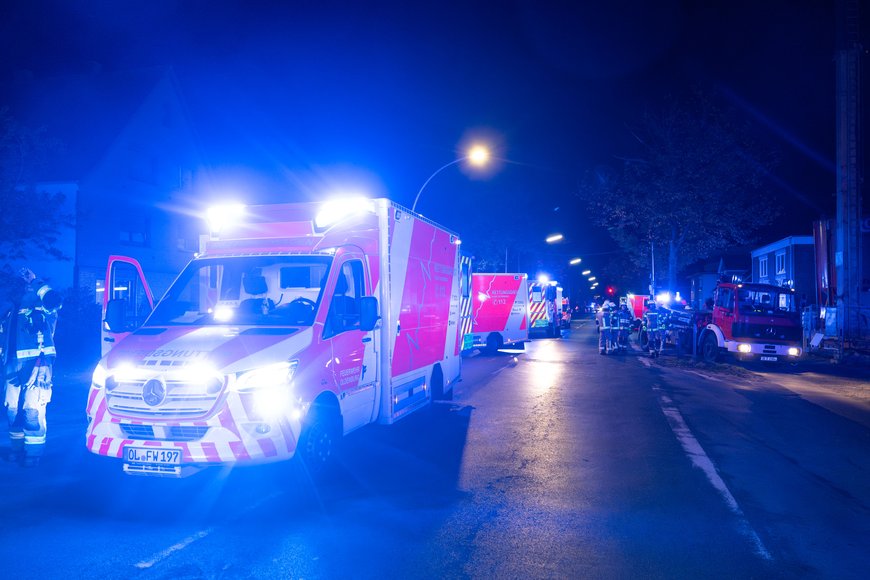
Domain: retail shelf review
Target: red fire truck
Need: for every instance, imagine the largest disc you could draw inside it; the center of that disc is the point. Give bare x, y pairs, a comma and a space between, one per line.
749, 321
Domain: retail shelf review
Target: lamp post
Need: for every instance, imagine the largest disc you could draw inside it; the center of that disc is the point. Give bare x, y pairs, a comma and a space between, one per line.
477, 155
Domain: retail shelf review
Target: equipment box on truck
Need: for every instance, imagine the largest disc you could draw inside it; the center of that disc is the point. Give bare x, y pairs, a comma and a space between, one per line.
297, 324
499, 310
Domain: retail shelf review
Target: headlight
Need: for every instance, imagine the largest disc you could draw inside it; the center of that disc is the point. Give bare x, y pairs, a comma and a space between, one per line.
270, 388
99, 377
744, 348
794, 351
266, 377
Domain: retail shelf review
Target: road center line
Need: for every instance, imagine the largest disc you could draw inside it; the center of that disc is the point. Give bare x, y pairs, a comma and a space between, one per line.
159, 557
702, 461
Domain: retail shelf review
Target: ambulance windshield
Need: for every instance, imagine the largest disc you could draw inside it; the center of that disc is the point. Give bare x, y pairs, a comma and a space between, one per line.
245, 290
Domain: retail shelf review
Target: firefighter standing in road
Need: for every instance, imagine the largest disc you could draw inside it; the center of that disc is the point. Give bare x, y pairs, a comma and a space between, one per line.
29, 354
653, 332
624, 325
604, 326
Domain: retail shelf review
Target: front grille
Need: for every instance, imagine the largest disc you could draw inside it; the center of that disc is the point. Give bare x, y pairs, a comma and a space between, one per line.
767, 332
164, 432
181, 399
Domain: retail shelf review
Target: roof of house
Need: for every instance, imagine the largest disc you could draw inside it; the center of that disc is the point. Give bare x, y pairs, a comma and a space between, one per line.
782, 244
85, 112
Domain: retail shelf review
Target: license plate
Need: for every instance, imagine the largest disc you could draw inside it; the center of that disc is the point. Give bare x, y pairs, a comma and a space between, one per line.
152, 455
769, 358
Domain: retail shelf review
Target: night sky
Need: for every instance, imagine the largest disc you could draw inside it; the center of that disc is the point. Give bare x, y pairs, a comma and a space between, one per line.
291, 99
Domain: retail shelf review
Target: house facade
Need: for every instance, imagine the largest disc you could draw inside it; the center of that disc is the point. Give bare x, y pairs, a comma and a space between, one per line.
129, 163
787, 262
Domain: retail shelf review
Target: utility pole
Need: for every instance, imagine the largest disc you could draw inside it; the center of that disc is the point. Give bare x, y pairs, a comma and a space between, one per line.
848, 250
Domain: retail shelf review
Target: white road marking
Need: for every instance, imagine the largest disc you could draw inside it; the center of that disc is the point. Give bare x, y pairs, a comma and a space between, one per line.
702, 461
160, 556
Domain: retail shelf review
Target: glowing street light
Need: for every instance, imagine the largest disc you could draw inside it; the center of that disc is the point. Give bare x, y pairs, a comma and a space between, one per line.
592, 278
554, 238
575, 261
477, 155
586, 272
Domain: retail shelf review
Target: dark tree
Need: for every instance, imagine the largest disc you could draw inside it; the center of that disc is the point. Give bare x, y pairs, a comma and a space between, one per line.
30, 219
695, 187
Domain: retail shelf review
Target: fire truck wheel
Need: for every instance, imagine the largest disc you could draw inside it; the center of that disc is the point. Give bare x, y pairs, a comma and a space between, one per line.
319, 443
710, 348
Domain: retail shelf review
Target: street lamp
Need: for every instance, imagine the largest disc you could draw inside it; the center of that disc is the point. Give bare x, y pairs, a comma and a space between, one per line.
586, 272
477, 155
592, 278
554, 238
575, 261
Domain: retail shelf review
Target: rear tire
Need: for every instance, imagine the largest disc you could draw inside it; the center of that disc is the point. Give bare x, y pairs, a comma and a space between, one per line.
436, 384
493, 343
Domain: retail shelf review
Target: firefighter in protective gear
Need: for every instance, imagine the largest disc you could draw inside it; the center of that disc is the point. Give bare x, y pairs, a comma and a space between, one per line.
30, 355
604, 326
655, 337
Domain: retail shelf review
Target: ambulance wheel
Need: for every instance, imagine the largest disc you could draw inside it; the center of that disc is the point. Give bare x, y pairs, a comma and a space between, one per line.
493, 343
320, 440
437, 385
710, 348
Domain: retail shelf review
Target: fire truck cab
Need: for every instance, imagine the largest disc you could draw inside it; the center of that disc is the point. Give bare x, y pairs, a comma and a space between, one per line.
751, 321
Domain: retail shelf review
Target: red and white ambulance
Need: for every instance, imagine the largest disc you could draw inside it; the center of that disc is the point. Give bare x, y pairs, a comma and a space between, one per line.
545, 308
499, 311
297, 324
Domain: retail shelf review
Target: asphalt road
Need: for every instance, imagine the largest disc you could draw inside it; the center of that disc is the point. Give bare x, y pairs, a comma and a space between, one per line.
563, 464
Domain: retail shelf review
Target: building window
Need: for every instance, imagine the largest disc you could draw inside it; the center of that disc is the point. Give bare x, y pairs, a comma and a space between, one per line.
780, 263
762, 267
135, 230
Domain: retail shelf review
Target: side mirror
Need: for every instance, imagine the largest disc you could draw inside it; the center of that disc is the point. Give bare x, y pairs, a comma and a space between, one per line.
116, 315
368, 313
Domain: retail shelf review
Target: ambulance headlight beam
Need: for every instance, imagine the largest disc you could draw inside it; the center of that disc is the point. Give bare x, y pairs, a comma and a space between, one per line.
271, 387
275, 375
99, 377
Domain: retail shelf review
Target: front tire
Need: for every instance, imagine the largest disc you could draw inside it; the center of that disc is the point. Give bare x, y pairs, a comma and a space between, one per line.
710, 348
320, 440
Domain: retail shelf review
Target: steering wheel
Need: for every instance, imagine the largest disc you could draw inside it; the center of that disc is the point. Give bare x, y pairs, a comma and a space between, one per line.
304, 301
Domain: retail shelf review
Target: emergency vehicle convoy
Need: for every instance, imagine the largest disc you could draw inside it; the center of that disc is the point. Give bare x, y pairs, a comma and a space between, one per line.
499, 311
297, 324
545, 308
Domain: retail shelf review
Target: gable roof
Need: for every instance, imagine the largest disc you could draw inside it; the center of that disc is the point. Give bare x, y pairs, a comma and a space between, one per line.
85, 112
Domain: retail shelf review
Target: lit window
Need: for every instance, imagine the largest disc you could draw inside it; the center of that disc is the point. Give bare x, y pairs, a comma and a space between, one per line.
780, 263
762, 267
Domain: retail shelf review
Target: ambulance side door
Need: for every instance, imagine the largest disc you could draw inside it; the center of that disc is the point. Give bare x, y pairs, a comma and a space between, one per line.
127, 300
354, 355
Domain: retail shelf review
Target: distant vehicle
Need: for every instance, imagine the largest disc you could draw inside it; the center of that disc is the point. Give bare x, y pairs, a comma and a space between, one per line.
297, 324
545, 308
499, 311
